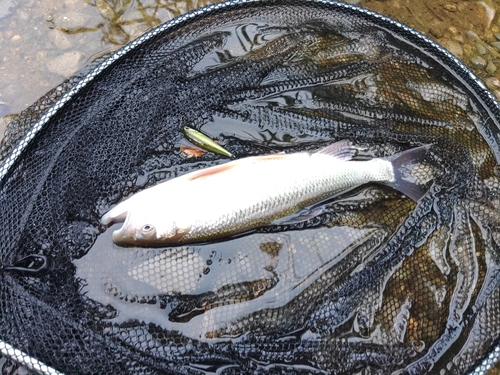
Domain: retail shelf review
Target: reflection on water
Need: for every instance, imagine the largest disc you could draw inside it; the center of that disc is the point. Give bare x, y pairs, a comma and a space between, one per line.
122, 21
199, 289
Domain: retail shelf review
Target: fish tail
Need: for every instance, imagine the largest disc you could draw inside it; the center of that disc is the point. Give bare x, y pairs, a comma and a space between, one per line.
404, 164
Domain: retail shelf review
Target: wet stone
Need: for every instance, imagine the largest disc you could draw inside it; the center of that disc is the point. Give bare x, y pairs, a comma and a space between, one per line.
60, 40
453, 46
478, 62
491, 68
72, 20
493, 83
23, 14
489, 12
67, 64
496, 45
450, 7
480, 49
436, 32
471, 35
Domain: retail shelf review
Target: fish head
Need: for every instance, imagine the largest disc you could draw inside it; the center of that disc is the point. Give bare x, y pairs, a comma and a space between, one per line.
142, 231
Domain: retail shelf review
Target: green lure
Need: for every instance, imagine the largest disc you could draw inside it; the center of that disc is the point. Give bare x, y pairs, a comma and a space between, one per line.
204, 142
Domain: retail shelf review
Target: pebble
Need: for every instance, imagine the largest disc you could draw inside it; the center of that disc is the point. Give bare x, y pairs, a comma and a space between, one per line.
468, 50
453, 46
492, 82
491, 68
450, 7
496, 45
471, 35
478, 62
23, 14
480, 49
72, 20
181, 6
436, 32
490, 12
60, 40
497, 35
66, 64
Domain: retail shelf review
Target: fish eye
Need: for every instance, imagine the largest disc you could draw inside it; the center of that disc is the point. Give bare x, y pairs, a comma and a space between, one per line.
148, 230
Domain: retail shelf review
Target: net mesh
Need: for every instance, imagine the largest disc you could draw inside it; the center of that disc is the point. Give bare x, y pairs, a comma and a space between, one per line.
375, 284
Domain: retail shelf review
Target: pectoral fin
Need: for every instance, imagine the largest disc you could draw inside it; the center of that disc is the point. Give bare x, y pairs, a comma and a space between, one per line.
180, 232
300, 216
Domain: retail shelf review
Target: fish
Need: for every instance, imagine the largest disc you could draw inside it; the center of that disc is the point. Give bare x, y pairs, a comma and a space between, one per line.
206, 143
239, 196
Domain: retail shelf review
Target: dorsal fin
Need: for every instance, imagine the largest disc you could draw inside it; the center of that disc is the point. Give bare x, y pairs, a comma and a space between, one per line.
343, 150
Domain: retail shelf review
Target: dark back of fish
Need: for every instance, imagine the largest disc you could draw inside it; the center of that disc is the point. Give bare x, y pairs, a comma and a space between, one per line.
376, 282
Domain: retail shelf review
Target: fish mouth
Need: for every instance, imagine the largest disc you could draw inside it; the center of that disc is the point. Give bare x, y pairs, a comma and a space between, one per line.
123, 235
118, 236
117, 213
114, 216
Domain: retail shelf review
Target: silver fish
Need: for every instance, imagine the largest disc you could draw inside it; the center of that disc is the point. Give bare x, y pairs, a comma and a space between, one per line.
252, 192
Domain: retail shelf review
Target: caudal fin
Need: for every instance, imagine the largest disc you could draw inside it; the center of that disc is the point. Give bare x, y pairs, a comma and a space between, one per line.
404, 166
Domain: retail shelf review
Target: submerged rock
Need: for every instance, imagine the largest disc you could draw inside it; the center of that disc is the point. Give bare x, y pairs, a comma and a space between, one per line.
66, 64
